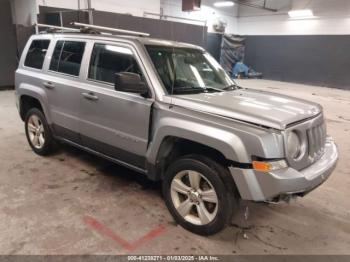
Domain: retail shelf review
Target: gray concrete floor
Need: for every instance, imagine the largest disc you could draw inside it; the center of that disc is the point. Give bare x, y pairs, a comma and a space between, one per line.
74, 203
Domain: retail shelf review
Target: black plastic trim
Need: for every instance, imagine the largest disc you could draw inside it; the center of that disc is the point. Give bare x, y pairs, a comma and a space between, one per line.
114, 154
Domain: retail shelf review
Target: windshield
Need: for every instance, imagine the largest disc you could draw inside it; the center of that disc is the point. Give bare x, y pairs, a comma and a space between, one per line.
184, 70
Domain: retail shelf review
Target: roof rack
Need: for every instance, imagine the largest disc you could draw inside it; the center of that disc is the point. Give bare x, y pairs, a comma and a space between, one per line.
62, 29
53, 28
87, 29
110, 29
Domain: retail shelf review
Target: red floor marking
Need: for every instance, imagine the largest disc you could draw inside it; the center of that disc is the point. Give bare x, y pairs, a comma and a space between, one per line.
98, 226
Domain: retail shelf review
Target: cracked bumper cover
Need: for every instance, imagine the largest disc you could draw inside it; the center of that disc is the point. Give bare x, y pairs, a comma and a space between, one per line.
259, 186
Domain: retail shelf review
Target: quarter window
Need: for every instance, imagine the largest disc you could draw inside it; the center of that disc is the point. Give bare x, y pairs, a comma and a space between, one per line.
67, 57
107, 60
36, 54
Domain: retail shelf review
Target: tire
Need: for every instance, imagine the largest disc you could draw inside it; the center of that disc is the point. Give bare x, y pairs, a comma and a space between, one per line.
197, 211
36, 126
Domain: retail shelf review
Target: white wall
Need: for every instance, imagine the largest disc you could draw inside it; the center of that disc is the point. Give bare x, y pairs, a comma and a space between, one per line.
170, 7
332, 18
117, 6
208, 13
70, 4
136, 8
24, 12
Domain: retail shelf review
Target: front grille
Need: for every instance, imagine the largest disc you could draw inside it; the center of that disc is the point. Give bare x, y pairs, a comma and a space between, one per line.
316, 136
313, 137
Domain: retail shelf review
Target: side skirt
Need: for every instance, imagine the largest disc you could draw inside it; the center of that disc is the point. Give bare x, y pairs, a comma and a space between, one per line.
114, 160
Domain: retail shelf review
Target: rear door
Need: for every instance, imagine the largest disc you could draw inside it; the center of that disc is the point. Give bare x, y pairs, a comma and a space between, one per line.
112, 122
61, 84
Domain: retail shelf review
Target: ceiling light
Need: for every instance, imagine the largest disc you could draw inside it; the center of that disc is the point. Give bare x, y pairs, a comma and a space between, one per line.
303, 13
224, 4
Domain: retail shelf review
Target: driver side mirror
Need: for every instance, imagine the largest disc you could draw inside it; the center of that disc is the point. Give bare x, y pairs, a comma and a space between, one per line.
130, 82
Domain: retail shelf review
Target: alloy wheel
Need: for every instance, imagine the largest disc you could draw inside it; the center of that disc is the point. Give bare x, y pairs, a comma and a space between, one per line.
194, 197
36, 131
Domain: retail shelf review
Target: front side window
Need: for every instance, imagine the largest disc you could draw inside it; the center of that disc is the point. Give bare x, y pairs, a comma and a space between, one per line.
107, 60
184, 70
67, 57
36, 54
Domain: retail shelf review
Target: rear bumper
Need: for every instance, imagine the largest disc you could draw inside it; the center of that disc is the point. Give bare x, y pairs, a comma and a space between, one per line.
259, 186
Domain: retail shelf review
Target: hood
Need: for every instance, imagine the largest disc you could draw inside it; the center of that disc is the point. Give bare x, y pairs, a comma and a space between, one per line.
253, 106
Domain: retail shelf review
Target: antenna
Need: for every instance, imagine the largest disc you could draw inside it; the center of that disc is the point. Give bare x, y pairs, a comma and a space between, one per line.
110, 29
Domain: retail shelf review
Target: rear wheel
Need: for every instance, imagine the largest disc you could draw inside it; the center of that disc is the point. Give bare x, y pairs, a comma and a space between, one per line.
197, 196
38, 133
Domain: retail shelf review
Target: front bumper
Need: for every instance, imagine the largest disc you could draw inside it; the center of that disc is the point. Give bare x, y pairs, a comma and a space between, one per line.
260, 186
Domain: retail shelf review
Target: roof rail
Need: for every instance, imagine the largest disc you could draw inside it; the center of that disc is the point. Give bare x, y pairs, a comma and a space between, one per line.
53, 27
87, 29
110, 29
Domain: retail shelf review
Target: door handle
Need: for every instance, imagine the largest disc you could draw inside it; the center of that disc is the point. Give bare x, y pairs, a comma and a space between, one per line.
90, 96
49, 85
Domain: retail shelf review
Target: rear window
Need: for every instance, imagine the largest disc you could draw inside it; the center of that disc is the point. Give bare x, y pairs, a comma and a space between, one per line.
67, 57
36, 54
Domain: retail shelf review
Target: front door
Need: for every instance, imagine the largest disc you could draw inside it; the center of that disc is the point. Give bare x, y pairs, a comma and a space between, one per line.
112, 122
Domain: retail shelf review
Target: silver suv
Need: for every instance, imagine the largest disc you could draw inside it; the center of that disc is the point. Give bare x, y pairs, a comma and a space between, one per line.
169, 111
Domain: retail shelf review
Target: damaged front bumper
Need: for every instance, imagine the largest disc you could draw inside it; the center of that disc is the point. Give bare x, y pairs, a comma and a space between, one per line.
287, 182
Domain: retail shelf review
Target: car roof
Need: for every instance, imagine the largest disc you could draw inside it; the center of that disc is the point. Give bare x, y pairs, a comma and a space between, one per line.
139, 39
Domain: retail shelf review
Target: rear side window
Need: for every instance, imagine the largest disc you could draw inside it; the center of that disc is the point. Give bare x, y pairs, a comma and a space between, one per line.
36, 54
107, 60
67, 56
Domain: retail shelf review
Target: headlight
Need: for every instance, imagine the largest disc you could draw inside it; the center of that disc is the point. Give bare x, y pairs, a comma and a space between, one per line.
293, 145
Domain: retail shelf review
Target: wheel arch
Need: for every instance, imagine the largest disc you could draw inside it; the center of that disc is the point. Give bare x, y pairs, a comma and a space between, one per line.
173, 147
226, 142
30, 96
26, 103
173, 142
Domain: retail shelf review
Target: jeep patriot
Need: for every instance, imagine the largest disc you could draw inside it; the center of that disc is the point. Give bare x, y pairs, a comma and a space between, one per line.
169, 111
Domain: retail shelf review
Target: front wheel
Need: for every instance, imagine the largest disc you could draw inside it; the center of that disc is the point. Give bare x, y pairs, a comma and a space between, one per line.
197, 195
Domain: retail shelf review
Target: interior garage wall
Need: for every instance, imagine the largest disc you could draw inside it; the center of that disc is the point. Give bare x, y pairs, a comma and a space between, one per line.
24, 15
332, 17
311, 51
136, 8
152, 9
317, 60
8, 45
208, 13
214, 43
169, 30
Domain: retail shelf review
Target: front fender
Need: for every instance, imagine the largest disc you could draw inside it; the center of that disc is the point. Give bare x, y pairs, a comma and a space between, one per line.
229, 144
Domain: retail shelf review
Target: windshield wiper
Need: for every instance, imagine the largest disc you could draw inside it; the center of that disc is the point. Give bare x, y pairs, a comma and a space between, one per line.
187, 90
195, 89
207, 88
213, 89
